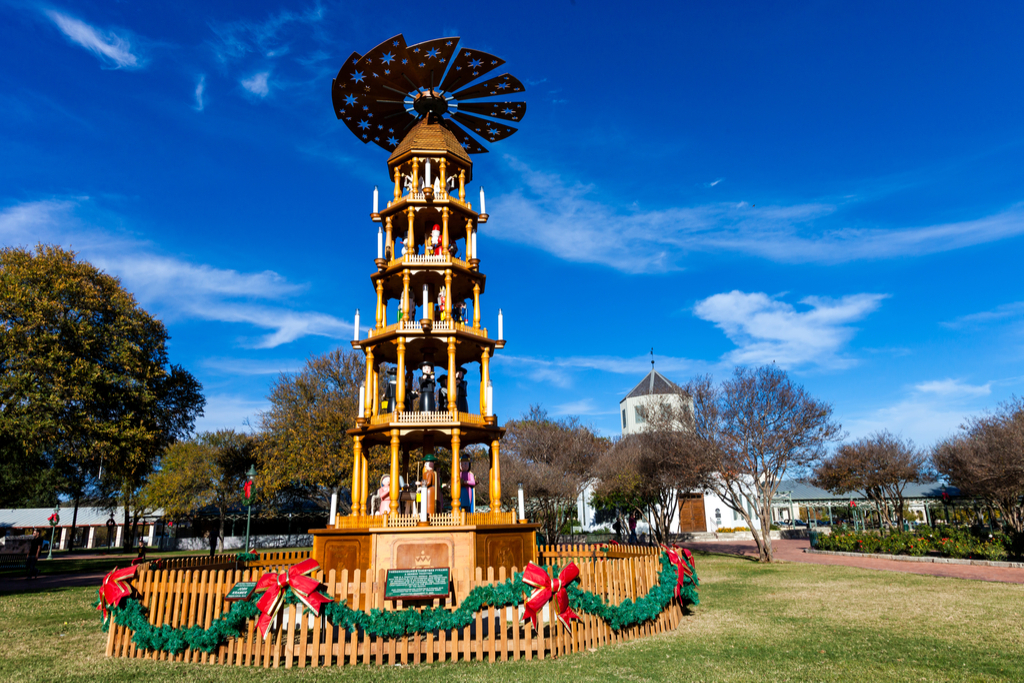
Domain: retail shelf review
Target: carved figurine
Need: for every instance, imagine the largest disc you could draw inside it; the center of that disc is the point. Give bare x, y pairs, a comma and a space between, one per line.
434, 241
459, 311
442, 393
427, 388
441, 302
384, 495
387, 404
430, 482
461, 400
466, 498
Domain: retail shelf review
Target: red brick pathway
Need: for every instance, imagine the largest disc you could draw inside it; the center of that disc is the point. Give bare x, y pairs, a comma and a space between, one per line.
793, 551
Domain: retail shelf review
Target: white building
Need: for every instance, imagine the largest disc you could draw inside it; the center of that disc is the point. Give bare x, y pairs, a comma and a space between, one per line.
698, 511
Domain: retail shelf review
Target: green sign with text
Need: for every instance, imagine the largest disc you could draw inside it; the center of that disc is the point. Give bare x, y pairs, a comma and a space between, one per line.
414, 584
241, 591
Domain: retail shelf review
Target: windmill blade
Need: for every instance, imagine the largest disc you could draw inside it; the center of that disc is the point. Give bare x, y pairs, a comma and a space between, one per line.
424, 63
504, 84
468, 142
508, 111
488, 130
341, 85
467, 67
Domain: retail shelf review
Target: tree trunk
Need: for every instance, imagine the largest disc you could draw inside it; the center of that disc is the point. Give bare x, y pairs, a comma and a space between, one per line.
222, 530
74, 522
126, 541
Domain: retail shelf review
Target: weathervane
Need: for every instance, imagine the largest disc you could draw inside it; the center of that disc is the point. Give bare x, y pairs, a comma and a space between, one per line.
381, 94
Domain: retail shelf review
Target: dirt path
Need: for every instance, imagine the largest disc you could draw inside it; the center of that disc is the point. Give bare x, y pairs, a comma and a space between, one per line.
48, 582
793, 551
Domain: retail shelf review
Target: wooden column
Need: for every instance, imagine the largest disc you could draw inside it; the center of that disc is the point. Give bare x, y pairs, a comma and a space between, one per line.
395, 447
485, 376
390, 244
410, 240
364, 488
495, 477
476, 306
380, 301
357, 458
453, 408
447, 294
400, 379
398, 183
375, 403
444, 228
415, 175
369, 380
456, 487
405, 294
462, 185
443, 167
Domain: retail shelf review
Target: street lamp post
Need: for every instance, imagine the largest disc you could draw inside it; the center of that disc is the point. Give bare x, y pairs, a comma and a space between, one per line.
54, 521
249, 476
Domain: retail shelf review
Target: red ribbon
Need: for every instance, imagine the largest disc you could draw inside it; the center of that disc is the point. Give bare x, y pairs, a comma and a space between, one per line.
545, 587
115, 588
305, 589
684, 567
247, 490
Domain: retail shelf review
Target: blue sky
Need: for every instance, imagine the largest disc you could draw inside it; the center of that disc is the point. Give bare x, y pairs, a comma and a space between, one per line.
834, 187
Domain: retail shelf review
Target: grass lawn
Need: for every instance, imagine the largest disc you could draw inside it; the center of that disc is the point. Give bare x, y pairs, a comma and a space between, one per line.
784, 622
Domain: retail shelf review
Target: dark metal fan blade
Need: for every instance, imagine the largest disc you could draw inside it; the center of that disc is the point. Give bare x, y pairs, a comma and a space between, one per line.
340, 86
467, 67
509, 111
465, 139
488, 130
504, 84
424, 63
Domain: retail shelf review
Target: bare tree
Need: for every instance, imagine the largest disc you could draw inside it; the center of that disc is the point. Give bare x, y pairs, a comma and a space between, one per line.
987, 460
880, 465
654, 466
554, 461
757, 426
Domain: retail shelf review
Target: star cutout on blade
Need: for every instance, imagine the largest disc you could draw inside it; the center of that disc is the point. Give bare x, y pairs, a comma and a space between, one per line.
357, 76
405, 61
387, 58
364, 124
350, 99
474, 63
432, 53
392, 141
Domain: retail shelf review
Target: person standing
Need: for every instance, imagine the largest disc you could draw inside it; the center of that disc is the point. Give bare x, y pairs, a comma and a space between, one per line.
33, 554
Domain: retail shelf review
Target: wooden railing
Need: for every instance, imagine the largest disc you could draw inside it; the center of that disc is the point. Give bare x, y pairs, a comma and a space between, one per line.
279, 558
218, 561
491, 517
184, 598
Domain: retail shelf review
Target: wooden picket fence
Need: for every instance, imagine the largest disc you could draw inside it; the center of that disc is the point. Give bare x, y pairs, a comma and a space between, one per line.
183, 598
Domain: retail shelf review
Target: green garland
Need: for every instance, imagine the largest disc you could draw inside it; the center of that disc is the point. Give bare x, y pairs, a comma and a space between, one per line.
247, 557
409, 621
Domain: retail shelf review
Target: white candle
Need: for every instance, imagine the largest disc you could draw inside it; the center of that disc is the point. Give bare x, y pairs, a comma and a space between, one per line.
522, 503
426, 173
490, 400
355, 336
425, 300
334, 507
375, 199
473, 235
380, 242
483, 206
501, 325
423, 503
362, 401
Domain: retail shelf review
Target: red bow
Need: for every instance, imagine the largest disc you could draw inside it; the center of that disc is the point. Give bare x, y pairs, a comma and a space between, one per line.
247, 490
683, 566
545, 588
305, 589
115, 588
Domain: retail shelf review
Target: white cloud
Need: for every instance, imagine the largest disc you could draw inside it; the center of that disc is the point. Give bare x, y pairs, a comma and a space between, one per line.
200, 88
954, 388
924, 419
1011, 310
571, 221
174, 287
767, 330
228, 411
585, 406
257, 84
558, 371
109, 46
253, 366
236, 39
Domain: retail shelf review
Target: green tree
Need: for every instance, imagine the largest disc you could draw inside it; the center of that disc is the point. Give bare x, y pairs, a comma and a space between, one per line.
205, 471
85, 382
303, 441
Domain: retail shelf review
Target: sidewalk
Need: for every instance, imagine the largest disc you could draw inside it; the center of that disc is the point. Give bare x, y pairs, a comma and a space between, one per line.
47, 582
793, 551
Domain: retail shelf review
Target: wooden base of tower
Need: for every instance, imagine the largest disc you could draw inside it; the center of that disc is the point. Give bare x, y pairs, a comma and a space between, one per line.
491, 545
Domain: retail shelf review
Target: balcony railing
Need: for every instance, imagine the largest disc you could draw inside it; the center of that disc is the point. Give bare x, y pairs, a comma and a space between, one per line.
428, 417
